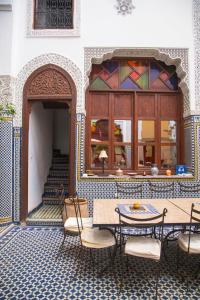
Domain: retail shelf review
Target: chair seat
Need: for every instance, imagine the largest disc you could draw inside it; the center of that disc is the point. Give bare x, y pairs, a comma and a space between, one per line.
194, 243
143, 247
96, 238
72, 226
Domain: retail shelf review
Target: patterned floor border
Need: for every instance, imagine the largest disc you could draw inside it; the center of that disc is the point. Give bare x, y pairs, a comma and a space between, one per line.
33, 266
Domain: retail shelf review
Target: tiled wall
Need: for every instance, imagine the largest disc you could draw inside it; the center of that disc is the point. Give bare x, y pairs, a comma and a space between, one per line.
6, 166
10, 168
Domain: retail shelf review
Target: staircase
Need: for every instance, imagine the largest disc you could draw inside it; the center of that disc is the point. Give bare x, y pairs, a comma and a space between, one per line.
58, 174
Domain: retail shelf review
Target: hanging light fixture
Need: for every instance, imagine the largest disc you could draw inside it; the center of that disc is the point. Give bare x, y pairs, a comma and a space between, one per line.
124, 7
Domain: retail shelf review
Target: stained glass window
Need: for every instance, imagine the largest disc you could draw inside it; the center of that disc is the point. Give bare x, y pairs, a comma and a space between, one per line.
53, 14
133, 75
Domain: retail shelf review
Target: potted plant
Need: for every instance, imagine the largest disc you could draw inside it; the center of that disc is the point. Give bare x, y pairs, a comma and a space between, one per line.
6, 110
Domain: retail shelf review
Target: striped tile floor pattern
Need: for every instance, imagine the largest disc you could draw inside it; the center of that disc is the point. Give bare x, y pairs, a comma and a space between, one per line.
45, 214
32, 269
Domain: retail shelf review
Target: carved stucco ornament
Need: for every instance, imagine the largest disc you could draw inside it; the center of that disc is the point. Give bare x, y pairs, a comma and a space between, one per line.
50, 82
124, 7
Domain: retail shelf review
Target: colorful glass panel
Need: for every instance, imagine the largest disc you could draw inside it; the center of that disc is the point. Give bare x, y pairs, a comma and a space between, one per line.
99, 84
125, 70
134, 75
96, 69
143, 81
113, 81
104, 75
164, 76
139, 66
158, 85
154, 71
110, 65
129, 84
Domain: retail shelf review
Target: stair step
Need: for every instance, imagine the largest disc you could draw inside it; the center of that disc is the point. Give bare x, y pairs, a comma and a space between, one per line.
60, 160
55, 185
56, 173
57, 180
59, 167
50, 200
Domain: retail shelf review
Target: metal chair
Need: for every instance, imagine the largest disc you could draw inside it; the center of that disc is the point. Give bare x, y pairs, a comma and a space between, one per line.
127, 191
189, 188
158, 188
70, 226
94, 238
189, 240
149, 245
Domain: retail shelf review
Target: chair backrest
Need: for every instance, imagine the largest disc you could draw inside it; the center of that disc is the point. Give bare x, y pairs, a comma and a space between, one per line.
194, 216
78, 214
127, 191
157, 188
189, 188
153, 223
60, 194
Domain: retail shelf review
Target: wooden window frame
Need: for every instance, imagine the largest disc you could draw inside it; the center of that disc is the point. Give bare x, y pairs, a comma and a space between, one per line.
157, 94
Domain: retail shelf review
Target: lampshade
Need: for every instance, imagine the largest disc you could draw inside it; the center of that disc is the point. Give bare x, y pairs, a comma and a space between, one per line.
103, 154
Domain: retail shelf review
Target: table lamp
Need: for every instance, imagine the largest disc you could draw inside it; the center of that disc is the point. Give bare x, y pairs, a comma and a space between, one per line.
103, 156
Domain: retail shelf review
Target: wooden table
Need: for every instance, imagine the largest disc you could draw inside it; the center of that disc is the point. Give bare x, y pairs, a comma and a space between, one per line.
185, 203
104, 211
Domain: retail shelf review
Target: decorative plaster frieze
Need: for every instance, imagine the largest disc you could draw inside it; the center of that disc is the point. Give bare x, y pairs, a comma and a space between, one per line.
31, 32
51, 58
196, 30
5, 89
175, 56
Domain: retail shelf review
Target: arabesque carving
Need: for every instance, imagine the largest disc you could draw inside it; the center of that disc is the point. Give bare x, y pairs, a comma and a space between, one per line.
50, 82
37, 62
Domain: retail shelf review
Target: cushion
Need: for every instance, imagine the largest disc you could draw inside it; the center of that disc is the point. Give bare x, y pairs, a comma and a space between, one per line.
71, 223
141, 246
96, 238
194, 242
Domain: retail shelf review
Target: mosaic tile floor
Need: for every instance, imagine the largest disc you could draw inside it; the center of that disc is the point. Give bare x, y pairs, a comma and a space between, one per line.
30, 269
45, 215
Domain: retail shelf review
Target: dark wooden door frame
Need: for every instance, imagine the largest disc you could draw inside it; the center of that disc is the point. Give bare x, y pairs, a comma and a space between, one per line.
27, 103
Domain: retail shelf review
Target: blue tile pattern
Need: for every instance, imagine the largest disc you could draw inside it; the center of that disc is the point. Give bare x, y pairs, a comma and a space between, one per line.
16, 172
5, 171
30, 269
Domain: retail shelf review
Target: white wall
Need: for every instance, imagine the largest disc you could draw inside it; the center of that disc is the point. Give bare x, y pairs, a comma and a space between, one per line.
153, 23
40, 152
61, 128
5, 42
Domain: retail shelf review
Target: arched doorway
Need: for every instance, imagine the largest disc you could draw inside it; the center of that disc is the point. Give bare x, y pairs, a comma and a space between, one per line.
53, 88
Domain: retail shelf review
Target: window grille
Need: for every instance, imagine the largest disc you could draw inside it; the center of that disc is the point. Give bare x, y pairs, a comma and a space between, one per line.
53, 14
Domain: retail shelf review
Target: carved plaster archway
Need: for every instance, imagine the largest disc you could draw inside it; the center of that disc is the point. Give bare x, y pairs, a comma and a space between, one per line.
170, 56
44, 59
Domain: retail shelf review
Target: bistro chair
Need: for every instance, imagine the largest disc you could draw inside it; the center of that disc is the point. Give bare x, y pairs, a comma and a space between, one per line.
60, 195
127, 191
189, 188
70, 224
94, 238
189, 240
149, 245
156, 189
